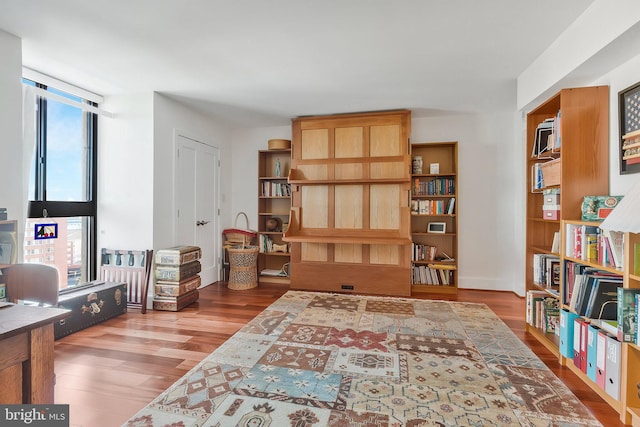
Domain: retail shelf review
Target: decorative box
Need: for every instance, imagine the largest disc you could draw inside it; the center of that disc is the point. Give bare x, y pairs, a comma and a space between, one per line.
551, 199
175, 303
90, 305
178, 255
173, 289
177, 273
597, 208
551, 212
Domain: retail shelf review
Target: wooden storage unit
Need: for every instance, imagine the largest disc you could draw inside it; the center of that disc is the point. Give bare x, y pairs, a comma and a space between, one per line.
566, 257
582, 159
630, 361
434, 200
274, 205
350, 225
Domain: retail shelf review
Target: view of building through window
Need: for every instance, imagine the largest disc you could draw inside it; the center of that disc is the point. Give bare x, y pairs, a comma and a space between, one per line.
63, 252
62, 172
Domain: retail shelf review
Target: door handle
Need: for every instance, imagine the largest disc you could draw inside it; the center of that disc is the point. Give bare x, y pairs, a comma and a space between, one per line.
198, 223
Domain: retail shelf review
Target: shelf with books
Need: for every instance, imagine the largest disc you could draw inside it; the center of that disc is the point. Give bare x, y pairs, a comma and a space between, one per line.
274, 206
434, 217
630, 366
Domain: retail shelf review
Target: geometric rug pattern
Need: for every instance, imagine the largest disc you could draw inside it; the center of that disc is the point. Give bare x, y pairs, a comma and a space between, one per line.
320, 359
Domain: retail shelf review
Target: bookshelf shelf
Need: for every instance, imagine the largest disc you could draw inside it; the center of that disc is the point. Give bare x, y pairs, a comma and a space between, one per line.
274, 202
434, 193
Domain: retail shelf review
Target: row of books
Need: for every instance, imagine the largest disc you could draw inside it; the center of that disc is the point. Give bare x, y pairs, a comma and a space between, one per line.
433, 207
275, 189
546, 271
266, 245
434, 187
432, 274
543, 311
593, 349
591, 243
421, 252
592, 293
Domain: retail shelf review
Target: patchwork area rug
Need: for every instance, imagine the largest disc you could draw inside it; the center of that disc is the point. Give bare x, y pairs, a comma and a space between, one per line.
318, 359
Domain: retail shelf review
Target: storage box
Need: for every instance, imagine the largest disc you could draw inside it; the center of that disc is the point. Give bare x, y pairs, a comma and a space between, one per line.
177, 273
90, 305
551, 173
172, 289
551, 212
597, 208
178, 255
175, 303
551, 199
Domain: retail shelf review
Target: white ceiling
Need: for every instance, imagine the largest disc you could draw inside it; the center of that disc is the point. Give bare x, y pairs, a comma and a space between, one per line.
260, 63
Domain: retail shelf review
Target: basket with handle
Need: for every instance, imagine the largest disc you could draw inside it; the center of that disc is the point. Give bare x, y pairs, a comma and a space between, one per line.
243, 273
238, 235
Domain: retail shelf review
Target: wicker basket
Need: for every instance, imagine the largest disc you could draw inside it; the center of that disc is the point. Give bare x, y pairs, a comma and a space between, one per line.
243, 273
240, 236
279, 144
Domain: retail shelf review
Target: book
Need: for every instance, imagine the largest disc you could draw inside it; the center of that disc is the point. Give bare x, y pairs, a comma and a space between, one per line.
636, 259
627, 320
603, 301
615, 241
555, 245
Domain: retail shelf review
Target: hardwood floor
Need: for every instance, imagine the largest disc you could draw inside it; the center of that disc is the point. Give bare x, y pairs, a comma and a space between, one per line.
108, 372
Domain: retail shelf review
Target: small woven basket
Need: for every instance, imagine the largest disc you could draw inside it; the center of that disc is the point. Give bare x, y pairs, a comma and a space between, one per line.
239, 236
243, 273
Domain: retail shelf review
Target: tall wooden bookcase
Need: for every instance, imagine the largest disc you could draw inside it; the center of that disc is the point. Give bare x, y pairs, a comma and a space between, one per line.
630, 360
577, 166
349, 227
434, 183
274, 205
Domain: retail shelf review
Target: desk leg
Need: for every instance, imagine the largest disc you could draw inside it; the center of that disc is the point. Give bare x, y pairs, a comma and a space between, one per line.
37, 372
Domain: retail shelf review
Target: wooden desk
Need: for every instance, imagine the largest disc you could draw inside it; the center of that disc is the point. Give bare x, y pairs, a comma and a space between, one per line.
26, 353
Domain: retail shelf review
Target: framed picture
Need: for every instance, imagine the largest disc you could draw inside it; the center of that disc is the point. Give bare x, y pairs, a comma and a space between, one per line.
629, 114
437, 227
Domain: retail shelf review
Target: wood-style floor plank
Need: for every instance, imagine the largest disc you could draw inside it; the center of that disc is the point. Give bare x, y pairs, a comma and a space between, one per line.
108, 372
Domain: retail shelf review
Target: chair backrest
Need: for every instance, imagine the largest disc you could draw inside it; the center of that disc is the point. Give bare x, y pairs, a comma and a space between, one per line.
132, 268
32, 282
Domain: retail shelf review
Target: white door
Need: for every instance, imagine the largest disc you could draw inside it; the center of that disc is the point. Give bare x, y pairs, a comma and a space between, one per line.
195, 192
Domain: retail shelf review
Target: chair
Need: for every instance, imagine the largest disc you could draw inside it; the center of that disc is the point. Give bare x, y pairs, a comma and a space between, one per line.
132, 268
37, 283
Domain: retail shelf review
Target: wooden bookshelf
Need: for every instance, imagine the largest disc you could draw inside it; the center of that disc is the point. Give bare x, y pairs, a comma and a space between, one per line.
274, 206
574, 165
434, 200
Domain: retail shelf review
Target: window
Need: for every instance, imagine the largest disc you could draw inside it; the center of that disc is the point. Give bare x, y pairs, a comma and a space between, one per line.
62, 187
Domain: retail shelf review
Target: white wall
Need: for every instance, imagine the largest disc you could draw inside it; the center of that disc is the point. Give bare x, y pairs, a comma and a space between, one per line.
125, 173
244, 171
169, 115
489, 201
11, 179
619, 79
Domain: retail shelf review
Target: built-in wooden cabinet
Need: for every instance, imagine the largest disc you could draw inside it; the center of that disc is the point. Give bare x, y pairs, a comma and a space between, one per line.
349, 227
274, 206
434, 219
